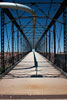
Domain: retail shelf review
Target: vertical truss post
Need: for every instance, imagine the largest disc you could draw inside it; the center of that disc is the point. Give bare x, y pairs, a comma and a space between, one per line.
46, 44
49, 44
17, 45
12, 44
54, 32
21, 45
65, 37
2, 42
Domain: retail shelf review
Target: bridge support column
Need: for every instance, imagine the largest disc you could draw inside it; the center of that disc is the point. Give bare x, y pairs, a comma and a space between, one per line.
12, 44
17, 45
54, 31
65, 38
46, 44
2, 42
49, 44
21, 45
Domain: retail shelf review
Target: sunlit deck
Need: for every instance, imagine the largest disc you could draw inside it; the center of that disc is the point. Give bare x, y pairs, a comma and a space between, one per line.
19, 81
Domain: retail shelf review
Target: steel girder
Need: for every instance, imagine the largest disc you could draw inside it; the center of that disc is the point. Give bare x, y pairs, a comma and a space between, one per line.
58, 13
8, 13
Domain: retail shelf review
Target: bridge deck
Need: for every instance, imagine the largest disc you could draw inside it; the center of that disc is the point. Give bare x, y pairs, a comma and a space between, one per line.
19, 80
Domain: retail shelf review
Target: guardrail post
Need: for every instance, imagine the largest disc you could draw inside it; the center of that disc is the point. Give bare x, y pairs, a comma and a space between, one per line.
2, 42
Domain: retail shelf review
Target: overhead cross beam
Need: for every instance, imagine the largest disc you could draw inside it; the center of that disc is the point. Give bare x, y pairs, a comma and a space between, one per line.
36, 2
59, 12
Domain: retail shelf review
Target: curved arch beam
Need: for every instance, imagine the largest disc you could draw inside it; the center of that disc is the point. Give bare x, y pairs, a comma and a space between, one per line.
23, 8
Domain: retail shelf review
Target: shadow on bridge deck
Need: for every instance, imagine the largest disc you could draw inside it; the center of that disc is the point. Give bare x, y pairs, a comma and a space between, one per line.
19, 81
32, 65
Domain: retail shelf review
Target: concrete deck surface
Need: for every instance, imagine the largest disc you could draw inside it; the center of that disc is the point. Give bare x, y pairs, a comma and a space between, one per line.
19, 80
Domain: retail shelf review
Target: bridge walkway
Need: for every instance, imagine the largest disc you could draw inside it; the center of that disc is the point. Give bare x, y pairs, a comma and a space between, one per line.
22, 79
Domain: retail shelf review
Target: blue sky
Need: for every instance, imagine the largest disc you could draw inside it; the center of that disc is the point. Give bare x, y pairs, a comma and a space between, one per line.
40, 22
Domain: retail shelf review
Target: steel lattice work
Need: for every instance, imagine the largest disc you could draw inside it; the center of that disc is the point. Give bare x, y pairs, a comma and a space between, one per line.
50, 38
11, 44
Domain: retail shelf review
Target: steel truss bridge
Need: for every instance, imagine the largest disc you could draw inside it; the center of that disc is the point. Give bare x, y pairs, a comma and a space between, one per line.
34, 46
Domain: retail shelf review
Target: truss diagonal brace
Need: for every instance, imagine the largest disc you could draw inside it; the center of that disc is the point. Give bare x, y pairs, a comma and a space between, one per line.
24, 8
58, 13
